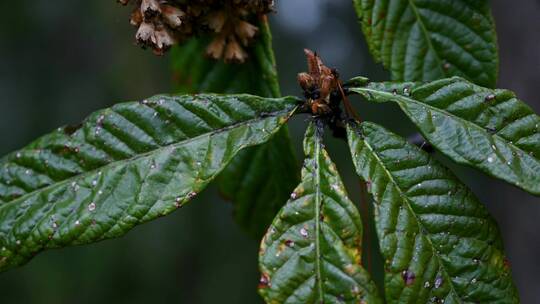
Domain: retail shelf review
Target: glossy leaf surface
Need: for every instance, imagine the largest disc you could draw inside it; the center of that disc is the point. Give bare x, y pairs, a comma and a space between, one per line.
311, 252
124, 166
423, 40
491, 130
439, 242
259, 180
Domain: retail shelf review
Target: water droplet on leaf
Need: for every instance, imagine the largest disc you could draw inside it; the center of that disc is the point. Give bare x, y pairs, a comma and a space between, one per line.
490, 97
407, 91
304, 232
438, 282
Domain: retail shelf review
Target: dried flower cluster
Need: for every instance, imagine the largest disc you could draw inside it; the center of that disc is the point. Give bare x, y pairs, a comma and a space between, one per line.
318, 84
164, 23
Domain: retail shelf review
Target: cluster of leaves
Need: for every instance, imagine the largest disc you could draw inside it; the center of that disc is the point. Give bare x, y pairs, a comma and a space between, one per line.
141, 160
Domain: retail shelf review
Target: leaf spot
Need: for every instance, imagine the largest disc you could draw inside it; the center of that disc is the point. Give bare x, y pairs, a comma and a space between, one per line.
304, 232
408, 276
264, 281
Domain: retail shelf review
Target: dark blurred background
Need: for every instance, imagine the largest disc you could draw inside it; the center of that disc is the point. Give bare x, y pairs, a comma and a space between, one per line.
61, 60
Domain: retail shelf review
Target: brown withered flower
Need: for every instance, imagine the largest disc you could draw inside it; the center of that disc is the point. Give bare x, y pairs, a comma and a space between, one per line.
318, 83
325, 94
164, 23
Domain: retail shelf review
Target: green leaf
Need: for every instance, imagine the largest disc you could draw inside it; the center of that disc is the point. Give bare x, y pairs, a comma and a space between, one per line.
422, 40
195, 73
259, 179
487, 129
439, 242
311, 252
124, 166
259, 182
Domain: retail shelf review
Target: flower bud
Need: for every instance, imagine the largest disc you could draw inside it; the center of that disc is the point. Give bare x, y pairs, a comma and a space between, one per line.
163, 41
234, 52
136, 17
216, 20
216, 47
145, 34
245, 31
305, 81
162, 23
150, 9
173, 16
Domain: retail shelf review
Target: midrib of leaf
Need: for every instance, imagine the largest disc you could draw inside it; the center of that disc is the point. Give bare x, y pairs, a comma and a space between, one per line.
419, 223
426, 34
142, 155
318, 196
401, 99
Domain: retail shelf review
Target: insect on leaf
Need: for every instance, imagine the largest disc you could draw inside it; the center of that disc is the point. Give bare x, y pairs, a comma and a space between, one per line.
124, 166
259, 180
311, 252
439, 242
491, 130
432, 39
